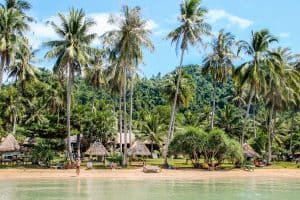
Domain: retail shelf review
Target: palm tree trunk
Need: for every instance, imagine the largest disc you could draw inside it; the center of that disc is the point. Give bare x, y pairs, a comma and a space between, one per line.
172, 121
69, 93
120, 122
291, 135
270, 135
131, 108
1, 71
125, 118
247, 116
214, 107
78, 146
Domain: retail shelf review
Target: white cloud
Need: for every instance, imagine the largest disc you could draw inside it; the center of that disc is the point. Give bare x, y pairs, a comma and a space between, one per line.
41, 31
216, 15
284, 35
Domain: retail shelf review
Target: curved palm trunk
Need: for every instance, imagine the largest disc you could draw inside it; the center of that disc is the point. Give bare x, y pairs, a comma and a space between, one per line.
270, 130
172, 121
120, 123
214, 107
69, 91
247, 116
131, 108
125, 119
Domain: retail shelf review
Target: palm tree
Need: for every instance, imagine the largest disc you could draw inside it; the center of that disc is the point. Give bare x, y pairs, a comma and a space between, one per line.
12, 26
152, 127
190, 32
282, 89
71, 52
251, 73
219, 63
127, 44
95, 74
23, 72
115, 83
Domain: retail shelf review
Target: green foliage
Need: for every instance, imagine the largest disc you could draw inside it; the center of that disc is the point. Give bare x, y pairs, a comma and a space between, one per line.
42, 152
214, 145
115, 158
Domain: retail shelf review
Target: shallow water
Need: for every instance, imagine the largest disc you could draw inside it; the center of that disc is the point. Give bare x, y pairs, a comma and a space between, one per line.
76, 189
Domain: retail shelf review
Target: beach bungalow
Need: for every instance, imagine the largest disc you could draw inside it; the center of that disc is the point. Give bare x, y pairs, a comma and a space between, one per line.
9, 149
139, 149
249, 151
97, 149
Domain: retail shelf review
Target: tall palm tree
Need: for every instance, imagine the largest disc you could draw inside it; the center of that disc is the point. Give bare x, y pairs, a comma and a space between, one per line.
23, 72
251, 73
72, 52
190, 32
12, 26
127, 44
116, 84
95, 74
219, 63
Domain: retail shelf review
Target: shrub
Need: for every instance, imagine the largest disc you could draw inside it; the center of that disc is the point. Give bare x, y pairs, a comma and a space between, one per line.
42, 152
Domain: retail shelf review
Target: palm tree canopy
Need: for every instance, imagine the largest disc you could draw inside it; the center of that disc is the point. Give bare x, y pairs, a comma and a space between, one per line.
186, 88
253, 72
74, 47
128, 40
219, 63
192, 25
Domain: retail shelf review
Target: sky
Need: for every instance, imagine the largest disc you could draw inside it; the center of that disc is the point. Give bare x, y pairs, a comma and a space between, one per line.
240, 17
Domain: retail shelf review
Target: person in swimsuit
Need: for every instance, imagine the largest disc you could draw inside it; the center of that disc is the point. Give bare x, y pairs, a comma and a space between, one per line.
78, 162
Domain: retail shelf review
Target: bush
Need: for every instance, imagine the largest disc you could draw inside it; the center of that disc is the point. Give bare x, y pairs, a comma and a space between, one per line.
215, 146
189, 143
115, 158
42, 152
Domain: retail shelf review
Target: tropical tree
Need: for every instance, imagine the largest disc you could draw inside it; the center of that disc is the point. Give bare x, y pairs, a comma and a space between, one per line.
190, 32
282, 89
12, 26
251, 73
23, 72
218, 64
71, 52
127, 44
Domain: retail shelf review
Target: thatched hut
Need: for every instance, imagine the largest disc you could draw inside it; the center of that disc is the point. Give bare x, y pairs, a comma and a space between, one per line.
9, 144
249, 151
9, 147
139, 149
97, 149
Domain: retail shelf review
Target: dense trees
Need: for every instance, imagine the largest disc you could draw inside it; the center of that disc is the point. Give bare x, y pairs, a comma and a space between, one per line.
256, 102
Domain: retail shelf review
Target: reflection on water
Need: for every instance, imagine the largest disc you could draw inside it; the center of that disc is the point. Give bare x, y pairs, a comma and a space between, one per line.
76, 189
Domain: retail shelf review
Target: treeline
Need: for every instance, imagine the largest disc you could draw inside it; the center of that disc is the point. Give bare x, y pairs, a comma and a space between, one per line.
98, 92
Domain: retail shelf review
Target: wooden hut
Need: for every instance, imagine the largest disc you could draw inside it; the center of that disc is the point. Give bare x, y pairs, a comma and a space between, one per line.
9, 148
249, 151
139, 149
97, 149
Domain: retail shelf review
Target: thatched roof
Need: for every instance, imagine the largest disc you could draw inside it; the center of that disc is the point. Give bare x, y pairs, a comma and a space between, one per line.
9, 144
249, 151
96, 149
139, 149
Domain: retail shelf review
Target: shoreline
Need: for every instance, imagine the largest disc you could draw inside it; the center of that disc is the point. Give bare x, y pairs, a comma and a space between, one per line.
137, 174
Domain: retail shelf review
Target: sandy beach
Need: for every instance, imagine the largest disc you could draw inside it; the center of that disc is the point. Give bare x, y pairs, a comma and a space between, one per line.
137, 174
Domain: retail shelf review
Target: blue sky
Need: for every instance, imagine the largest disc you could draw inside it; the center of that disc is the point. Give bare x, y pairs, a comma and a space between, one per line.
237, 16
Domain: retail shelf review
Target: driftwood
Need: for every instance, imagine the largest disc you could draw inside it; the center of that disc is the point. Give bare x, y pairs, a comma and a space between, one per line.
151, 169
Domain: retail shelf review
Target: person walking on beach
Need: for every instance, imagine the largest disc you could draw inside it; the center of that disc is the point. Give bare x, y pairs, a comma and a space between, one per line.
78, 162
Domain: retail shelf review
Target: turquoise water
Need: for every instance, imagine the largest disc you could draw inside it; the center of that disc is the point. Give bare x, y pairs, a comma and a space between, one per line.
75, 189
